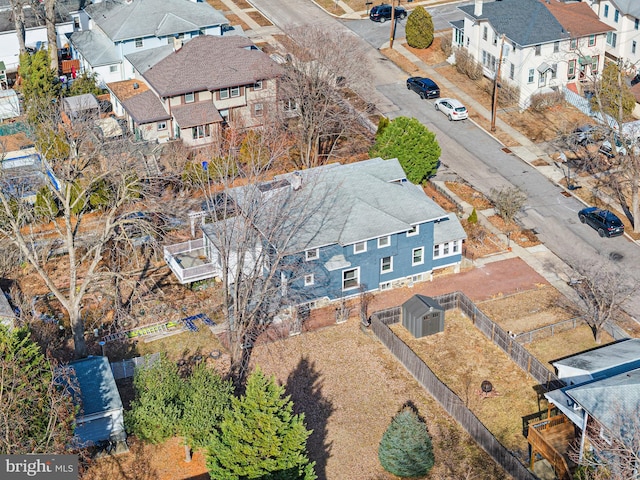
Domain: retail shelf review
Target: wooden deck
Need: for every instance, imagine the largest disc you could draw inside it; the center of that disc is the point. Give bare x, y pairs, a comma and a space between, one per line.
552, 438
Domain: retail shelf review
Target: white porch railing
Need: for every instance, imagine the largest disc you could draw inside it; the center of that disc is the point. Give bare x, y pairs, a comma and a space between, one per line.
176, 255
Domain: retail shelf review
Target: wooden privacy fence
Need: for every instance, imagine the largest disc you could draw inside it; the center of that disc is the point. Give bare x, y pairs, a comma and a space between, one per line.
445, 397
127, 368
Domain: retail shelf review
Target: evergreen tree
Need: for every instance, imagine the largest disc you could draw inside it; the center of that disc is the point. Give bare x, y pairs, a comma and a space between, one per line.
260, 437
473, 216
412, 144
205, 398
37, 414
613, 96
40, 84
405, 449
156, 410
86, 82
419, 29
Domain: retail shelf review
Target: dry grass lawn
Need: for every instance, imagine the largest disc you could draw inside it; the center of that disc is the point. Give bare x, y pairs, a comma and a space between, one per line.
462, 357
529, 310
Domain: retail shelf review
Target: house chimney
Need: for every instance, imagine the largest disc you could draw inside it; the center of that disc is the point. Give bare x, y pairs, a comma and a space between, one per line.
177, 44
477, 9
296, 181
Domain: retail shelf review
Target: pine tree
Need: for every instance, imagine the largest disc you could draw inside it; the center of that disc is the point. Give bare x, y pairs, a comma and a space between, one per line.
260, 437
405, 449
473, 217
415, 147
419, 29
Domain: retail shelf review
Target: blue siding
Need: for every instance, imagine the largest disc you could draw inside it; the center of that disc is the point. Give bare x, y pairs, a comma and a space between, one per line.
329, 283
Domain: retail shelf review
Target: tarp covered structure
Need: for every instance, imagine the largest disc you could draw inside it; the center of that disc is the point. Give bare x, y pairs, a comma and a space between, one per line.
9, 104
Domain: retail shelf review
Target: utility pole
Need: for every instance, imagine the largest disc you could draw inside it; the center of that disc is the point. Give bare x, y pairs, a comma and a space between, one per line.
494, 105
393, 23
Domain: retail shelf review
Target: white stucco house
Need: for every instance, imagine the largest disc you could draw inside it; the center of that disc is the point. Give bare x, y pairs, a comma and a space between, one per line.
121, 27
623, 42
546, 44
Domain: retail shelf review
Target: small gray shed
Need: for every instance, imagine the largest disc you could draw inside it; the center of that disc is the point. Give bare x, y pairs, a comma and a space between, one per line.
422, 316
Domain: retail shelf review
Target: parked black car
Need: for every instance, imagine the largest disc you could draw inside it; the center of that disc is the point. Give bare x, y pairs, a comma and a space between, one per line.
382, 13
606, 223
425, 87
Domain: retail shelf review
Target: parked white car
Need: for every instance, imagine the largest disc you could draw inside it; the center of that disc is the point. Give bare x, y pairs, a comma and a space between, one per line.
452, 108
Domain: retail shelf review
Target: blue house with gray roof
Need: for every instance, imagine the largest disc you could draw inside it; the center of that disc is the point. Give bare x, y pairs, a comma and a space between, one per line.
545, 45
121, 27
334, 231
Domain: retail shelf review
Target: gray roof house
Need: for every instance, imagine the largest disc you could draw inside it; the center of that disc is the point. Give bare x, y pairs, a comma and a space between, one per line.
346, 228
101, 412
601, 399
544, 45
119, 28
221, 79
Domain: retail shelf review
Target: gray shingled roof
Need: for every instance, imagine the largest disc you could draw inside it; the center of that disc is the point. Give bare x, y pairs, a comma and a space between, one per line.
95, 47
448, 230
627, 7
344, 204
144, 60
210, 62
604, 358
525, 22
152, 18
145, 108
193, 114
35, 17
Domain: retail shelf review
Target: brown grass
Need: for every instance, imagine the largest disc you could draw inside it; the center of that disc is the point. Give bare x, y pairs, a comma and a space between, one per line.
469, 195
331, 6
218, 5
259, 19
462, 357
526, 311
564, 344
236, 20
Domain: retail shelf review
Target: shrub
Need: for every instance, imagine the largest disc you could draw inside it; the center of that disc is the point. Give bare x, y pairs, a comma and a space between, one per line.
419, 29
446, 46
466, 65
473, 218
382, 124
541, 101
508, 202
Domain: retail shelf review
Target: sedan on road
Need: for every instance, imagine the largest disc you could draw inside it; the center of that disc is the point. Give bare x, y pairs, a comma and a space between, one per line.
452, 108
425, 87
604, 222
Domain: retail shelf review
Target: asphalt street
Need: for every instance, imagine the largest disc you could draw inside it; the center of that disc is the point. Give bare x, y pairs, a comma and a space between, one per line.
471, 152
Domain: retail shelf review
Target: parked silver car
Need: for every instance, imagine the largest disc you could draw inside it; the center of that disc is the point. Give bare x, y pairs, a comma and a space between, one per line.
452, 108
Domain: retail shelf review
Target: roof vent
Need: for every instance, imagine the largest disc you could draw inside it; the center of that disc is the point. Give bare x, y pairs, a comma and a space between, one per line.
136, 86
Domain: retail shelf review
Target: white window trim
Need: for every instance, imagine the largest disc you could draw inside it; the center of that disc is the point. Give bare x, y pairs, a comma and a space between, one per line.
224, 93
162, 125
357, 270
413, 251
257, 85
234, 92
416, 232
258, 109
355, 247
312, 254
191, 95
387, 238
382, 270
309, 280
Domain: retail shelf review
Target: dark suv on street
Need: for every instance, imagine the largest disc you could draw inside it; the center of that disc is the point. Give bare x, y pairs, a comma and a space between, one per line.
606, 223
425, 87
382, 13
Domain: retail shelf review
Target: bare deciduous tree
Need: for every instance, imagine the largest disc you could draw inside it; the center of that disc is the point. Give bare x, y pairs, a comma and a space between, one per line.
603, 289
255, 236
324, 67
508, 201
87, 187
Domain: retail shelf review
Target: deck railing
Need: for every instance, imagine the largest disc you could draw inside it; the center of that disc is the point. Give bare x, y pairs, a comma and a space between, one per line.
540, 445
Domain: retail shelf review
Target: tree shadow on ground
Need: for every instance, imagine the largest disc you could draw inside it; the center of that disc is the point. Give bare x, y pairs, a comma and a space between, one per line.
305, 387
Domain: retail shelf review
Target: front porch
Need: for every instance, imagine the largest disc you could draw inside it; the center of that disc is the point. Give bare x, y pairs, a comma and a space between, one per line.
189, 261
552, 438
